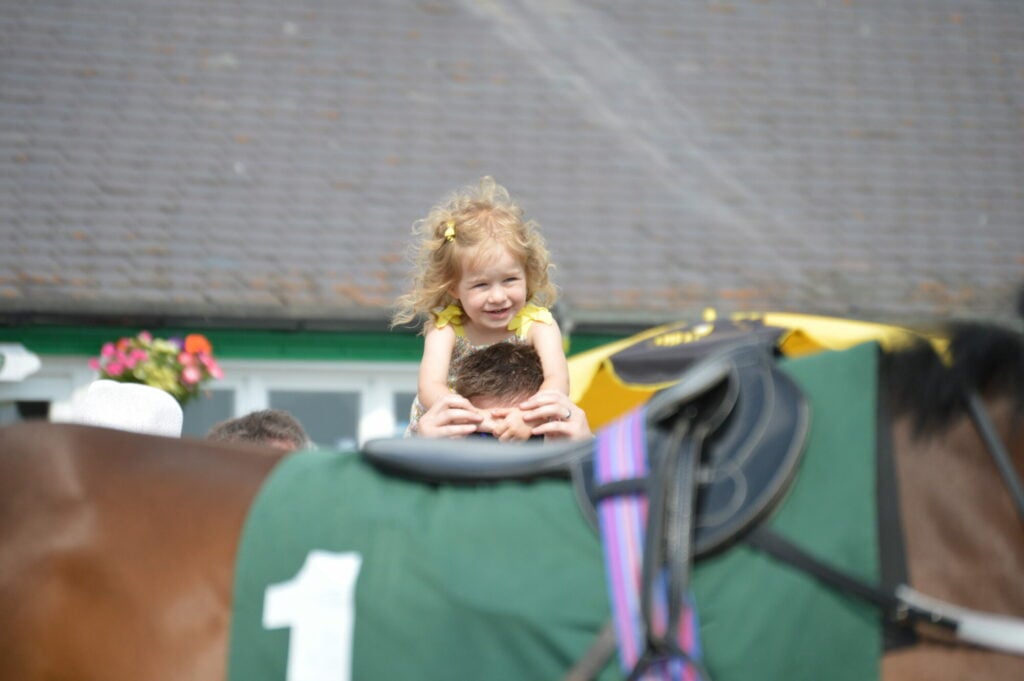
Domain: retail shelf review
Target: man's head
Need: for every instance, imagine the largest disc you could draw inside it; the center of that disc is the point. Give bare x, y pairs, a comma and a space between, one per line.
271, 427
501, 375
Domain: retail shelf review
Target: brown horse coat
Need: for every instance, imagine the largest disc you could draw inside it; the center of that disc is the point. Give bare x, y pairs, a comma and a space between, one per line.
965, 542
117, 552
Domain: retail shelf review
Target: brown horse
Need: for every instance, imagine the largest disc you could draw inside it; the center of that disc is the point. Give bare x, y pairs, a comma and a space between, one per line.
117, 550
965, 540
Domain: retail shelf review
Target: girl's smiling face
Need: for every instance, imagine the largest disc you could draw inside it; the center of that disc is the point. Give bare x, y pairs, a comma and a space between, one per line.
492, 290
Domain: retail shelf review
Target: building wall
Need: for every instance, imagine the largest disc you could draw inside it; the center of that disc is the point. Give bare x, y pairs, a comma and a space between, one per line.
346, 388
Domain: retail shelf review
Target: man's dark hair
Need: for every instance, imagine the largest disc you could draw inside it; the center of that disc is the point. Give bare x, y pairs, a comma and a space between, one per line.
272, 427
509, 371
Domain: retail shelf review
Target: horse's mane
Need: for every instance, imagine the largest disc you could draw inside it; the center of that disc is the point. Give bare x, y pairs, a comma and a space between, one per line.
983, 357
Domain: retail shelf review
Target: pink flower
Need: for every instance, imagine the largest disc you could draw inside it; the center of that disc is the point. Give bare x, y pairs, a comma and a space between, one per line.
139, 355
115, 368
145, 336
191, 375
186, 359
107, 350
94, 364
211, 365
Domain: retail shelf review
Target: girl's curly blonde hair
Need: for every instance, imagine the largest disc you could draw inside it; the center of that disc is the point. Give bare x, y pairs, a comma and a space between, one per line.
471, 225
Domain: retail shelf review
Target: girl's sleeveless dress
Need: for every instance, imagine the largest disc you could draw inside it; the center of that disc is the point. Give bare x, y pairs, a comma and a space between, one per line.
519, 326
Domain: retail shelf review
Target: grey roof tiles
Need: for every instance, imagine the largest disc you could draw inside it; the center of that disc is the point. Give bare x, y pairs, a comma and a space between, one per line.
236, 160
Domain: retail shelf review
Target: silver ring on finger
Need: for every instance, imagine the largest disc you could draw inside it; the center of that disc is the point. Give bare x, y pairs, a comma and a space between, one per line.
568, 415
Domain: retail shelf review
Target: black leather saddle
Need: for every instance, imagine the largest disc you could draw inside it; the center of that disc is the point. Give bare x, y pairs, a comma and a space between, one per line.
743, 419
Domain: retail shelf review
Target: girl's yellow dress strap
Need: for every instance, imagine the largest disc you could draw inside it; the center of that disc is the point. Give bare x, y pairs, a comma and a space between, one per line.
450, 315
530, 313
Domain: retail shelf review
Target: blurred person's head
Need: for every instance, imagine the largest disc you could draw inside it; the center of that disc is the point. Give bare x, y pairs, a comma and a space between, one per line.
272, 427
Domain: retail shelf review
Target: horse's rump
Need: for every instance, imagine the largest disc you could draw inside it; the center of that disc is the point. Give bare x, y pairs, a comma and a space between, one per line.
116, 552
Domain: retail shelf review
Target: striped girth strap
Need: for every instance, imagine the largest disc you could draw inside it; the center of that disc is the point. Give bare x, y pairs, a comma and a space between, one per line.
652, 609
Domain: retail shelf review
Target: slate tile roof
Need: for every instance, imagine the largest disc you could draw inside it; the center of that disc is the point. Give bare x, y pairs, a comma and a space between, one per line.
244, 161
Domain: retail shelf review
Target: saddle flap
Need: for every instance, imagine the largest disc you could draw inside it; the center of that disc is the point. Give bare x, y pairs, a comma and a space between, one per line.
750, 421
708, 390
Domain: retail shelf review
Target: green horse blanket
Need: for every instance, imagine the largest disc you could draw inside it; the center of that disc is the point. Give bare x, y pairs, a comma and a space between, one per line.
346, 572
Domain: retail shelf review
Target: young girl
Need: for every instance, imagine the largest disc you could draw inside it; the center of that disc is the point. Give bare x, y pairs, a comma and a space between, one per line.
481, 277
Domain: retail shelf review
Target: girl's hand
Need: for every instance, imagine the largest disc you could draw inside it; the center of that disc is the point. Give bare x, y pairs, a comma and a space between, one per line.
489, 424
510, 426
553, 415
452, 417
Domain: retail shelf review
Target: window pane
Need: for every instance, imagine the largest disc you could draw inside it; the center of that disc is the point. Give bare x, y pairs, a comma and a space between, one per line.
33, 410
401, 403
13, 412
331, 419
202, 413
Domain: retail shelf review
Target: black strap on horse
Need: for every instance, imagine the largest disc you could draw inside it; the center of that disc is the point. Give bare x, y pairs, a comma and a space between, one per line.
901, 606
994, 444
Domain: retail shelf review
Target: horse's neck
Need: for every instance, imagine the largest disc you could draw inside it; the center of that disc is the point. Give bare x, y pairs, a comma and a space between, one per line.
965, 542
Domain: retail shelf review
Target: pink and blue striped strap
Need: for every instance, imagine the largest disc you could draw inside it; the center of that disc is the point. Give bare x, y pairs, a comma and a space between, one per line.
622, 455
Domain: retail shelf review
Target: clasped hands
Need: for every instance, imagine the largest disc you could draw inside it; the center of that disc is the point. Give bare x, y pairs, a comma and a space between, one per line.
549, 414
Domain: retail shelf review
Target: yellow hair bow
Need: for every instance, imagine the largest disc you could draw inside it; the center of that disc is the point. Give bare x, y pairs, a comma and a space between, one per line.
449, 231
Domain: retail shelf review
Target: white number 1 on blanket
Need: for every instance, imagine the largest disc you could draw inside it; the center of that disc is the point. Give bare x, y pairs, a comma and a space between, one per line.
319, 606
